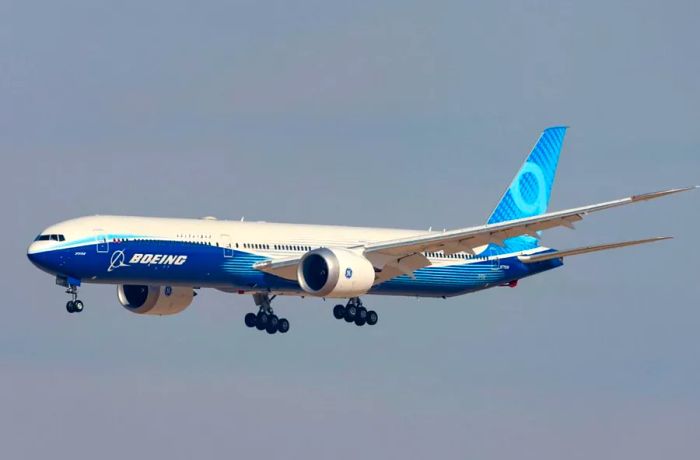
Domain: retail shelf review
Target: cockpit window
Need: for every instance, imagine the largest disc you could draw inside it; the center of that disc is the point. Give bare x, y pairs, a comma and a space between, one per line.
52, 237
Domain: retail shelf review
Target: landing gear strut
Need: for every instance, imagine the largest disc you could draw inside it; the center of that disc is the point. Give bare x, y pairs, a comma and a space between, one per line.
355, 312
74, 305
266, 318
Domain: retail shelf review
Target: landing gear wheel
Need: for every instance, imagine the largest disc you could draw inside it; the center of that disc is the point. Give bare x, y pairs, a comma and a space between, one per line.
361, 317
73, 305
372, 317
339, 311
266, 320
350, 313
262, 320
250, 319
283, 326
362, 314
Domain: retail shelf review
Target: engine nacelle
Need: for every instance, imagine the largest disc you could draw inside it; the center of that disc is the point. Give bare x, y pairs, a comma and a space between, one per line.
154, 300
339, 273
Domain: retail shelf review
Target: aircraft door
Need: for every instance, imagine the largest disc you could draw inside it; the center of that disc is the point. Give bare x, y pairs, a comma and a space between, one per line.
226, 245
494, 261
102, 243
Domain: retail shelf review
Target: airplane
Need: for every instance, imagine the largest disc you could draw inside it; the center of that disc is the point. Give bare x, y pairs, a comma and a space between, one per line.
158, 264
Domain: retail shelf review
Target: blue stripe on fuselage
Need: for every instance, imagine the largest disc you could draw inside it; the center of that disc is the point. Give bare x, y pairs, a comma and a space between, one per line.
206, 265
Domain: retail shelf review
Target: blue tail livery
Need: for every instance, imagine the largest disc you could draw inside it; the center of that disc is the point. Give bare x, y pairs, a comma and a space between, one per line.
529, 192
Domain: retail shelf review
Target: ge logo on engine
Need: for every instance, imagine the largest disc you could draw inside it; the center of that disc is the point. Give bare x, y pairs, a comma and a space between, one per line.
348, 273
168, 291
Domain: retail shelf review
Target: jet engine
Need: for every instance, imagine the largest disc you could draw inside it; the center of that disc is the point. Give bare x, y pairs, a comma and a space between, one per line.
338, 273
154, 300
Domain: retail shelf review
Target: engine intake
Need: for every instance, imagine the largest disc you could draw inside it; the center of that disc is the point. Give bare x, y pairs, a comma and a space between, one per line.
154, 300
339, 273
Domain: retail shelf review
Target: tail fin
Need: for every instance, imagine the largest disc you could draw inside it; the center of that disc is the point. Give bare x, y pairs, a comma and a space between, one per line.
528, 194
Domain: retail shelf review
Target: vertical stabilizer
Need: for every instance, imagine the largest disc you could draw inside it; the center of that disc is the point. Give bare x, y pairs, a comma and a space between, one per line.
530, 190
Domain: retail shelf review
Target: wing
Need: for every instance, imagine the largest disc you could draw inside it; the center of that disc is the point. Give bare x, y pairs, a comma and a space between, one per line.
405, 255
558, 254
284, 268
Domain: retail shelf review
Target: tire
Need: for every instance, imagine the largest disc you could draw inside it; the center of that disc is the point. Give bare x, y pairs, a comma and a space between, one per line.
372, 317
360, 321
362, 314
78, 306
271, 329
283, 326
69, 307
274, 320
350, 313
339, 311
261, 321
250, 319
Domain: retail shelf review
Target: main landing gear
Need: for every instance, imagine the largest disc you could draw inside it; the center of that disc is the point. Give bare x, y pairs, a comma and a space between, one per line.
266, 318
74, 305
355, 312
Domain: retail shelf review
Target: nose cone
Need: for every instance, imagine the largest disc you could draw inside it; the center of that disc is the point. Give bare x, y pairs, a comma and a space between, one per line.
32, 253
41, 256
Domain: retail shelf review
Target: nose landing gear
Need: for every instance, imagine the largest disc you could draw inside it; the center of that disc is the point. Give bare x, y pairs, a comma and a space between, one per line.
75, 305
355, 312
266, 319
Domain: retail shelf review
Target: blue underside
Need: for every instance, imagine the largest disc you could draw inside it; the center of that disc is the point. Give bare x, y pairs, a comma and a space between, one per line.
211, 266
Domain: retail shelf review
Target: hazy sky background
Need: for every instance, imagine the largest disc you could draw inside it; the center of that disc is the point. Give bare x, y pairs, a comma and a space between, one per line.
388, 113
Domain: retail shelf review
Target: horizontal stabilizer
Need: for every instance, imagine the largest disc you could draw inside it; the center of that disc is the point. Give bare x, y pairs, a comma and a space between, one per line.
586, 249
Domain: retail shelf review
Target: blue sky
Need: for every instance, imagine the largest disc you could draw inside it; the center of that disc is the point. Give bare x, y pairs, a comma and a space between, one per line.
400, 114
